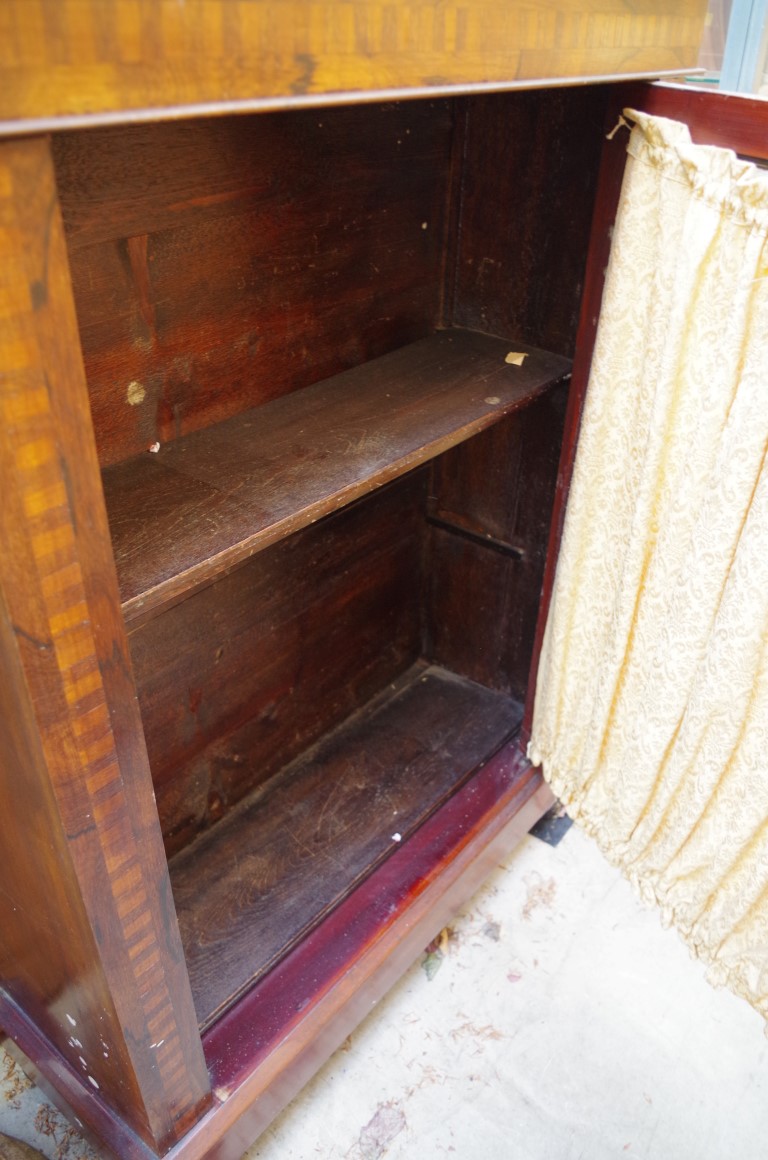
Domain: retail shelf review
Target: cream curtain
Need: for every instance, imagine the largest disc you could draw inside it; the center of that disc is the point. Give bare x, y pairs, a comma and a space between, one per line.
651, 718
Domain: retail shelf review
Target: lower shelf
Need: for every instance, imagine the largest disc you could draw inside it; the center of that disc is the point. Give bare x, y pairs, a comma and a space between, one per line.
250, 889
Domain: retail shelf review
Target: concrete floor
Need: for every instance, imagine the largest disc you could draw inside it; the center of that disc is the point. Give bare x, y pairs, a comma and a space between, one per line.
556, 1020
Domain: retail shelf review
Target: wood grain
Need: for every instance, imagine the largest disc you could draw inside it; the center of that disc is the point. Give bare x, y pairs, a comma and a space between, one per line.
119, 57
219, 264
187, 514
252, 888
481, 603
270, 1043
71, 720
530, 165
236, 681
94, 935
731, 121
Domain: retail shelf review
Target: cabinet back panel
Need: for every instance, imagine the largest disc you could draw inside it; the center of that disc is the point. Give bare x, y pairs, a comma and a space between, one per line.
238, 679
530, 171
218, 264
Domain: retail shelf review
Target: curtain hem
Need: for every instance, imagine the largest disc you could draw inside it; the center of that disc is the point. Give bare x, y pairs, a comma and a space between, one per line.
718, 973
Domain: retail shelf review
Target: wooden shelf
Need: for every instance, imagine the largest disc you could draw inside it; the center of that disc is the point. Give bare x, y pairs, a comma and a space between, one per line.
252, 887
185, 515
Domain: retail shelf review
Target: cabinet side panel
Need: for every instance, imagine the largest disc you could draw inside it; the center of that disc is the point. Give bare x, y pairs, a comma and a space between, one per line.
219, 264
530, 171
524, 206
73, 677
49, 964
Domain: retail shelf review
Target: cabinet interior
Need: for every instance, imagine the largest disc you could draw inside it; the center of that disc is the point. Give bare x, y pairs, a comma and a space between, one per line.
331, 566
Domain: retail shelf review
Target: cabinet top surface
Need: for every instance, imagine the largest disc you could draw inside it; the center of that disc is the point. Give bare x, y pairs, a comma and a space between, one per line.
67, 65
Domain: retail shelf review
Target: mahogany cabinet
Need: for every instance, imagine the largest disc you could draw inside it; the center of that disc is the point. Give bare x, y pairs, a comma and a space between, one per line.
283, 395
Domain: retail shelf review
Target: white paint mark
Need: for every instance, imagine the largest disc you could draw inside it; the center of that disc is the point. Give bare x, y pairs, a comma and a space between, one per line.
82, 1061
397, 837
221, 1094
93, 1081
135, 394
154, 447
492, 400
72, 1021
159, 1043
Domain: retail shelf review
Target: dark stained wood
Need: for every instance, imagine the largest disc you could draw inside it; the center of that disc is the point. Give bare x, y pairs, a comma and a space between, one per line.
157, 271
183, 516
477, 485
481, 603
253, 887
270, 1043
236, 681
606, 204
470, 587
526, 206
140, 180
732, 121
173, 236
120, 58
101, 965
219, 264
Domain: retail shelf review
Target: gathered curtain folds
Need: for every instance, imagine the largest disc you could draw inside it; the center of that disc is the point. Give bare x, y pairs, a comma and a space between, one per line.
651, 710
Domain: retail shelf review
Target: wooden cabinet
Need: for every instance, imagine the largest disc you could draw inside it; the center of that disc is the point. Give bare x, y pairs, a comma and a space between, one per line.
282, 402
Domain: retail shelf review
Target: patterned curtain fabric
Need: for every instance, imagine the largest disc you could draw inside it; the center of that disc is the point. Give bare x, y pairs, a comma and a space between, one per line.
651, 718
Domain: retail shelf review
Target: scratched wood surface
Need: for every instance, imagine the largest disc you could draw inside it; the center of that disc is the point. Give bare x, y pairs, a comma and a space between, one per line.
265, 875
184, 515
83, 846
237, 680
219, 264
348, 962
87, 59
